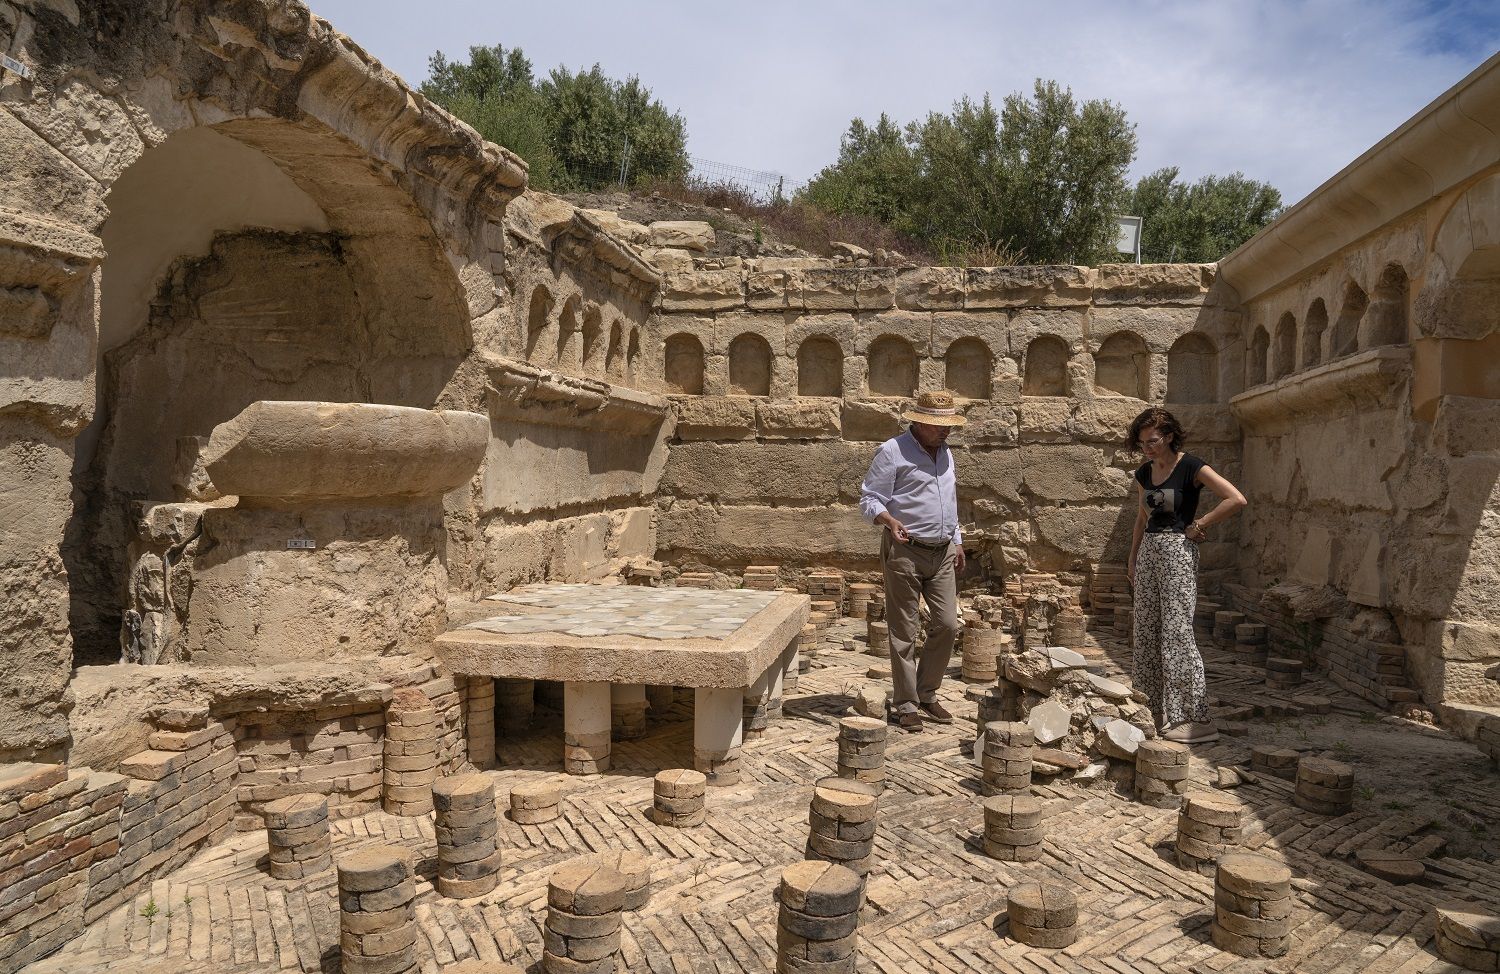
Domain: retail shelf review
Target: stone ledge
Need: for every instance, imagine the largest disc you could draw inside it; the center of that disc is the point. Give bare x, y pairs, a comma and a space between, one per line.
1357, 381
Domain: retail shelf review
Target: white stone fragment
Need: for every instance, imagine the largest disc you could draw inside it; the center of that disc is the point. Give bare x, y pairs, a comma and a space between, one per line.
1050, 721
1112, 689
1120, 739
1063, 658
871, 701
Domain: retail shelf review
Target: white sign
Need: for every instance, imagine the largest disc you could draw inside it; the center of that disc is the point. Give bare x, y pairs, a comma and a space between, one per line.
1129, 241
11, 64
301, 544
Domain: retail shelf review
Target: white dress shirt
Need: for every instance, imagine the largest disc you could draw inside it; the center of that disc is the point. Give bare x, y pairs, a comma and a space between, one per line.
906, 482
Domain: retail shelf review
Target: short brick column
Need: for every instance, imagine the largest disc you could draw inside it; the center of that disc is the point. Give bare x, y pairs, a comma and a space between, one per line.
878, 639
981, 654
535, 802
1252, 906
377, 920
1005, 764
468, 852
297, 832
1279, 762
1470, 940
818, 920
586, 727
862, 749
658, 700
582, 930
1013, 829
1161, 770
1323, 786
515, 703
757, 707
678, 798
843, 821
1042, 915
635, 869
1208, 826
1225, 623
476, 966
410, 753
1251, 640
718, 733
479, 721
861, 594
1282, 673
791, 667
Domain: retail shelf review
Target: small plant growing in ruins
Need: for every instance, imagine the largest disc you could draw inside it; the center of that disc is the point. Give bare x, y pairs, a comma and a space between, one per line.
1366, 792
1395, 806
760, 234
1341, 746
187, 900
150, 910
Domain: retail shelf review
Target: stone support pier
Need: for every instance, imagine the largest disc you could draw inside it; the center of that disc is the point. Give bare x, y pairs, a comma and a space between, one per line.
659, 698
586, 728
479, 721
718, 733
757, 706
627, 705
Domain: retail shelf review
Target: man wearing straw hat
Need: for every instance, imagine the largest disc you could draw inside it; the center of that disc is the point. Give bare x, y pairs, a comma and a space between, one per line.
911, 492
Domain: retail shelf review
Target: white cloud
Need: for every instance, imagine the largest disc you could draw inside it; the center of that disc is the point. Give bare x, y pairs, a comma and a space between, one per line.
1282, 90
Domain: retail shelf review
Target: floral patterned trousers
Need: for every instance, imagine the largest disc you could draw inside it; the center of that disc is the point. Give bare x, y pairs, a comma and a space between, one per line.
1168, 666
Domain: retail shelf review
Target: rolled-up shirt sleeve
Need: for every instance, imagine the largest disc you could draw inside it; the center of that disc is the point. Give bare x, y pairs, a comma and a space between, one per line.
879, 484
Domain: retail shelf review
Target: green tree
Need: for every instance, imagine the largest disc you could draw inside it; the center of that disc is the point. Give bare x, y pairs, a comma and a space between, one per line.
1201, 222
596, 119
571, 129
873, 176
1043, 176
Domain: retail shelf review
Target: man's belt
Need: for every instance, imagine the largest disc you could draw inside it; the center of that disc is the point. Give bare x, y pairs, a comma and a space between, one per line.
928, 545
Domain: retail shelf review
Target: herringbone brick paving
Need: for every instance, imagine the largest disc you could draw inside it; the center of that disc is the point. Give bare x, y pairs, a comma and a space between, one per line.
935, 901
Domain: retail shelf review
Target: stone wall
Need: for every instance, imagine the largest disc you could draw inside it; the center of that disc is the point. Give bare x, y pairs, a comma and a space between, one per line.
803, 370
1372, 400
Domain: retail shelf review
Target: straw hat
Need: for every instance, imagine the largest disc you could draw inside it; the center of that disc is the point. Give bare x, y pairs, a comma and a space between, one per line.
935, 409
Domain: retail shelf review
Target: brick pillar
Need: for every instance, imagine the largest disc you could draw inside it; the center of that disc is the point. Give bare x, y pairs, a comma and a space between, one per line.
818, 919
467, 851
297, 832
377, 919
479, 721
410, 753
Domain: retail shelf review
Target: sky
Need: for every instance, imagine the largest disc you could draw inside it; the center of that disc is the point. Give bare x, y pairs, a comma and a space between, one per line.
1283, 91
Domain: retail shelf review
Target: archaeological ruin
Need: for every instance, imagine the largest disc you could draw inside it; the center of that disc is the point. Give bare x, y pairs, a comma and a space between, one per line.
403, 569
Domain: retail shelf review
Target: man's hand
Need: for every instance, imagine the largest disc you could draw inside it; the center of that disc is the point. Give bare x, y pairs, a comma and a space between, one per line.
895, 527
959, 560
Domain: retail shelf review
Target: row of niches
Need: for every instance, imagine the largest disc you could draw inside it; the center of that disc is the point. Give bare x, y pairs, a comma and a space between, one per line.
1365, 320
573, 340
1121, 365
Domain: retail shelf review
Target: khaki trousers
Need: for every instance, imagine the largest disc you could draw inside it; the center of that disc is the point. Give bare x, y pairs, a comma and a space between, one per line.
911, 572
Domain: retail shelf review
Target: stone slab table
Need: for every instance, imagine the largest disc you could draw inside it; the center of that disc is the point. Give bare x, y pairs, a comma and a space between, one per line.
727, 645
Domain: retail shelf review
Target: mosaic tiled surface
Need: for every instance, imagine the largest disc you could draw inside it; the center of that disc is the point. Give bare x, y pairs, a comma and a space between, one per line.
626, 610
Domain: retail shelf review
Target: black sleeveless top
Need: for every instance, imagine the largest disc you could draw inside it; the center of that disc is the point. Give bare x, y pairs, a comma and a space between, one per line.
1173, 503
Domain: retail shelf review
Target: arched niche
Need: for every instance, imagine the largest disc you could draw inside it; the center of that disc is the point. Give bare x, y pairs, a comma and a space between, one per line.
632, 353
892, 367
253, 260
569, 337
538, 323
1284, 347
614, 355
593, 348
1345, 340
1046, 367
749, 366
684, 364
1122, 366
1384, 322
1255, 359
1313, 328
820, 367
1193, 370
967, 365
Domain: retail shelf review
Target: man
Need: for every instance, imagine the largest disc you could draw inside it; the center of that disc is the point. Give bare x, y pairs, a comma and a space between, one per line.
910, 491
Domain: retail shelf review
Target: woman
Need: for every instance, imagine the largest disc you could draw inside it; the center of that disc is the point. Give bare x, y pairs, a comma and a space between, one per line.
1162, 569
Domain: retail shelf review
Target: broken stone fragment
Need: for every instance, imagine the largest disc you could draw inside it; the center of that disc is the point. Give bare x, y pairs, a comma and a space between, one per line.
1031, 670
1050, 721
1120, 739
871, 701
1112, 689
686, 234
1063, 658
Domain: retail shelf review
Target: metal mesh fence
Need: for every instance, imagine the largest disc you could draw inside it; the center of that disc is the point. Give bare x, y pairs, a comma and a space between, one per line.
761, 185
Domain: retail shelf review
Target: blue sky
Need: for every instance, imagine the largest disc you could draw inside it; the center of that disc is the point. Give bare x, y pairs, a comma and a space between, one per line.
1288, 92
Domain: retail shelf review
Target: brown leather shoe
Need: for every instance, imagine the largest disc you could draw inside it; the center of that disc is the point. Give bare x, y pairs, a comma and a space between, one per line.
911, 722
934, 712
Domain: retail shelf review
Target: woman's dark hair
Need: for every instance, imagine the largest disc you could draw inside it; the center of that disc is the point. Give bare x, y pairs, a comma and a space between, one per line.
1160, 420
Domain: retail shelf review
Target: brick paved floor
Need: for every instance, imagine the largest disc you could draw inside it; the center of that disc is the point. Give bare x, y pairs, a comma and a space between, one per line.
933, 903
